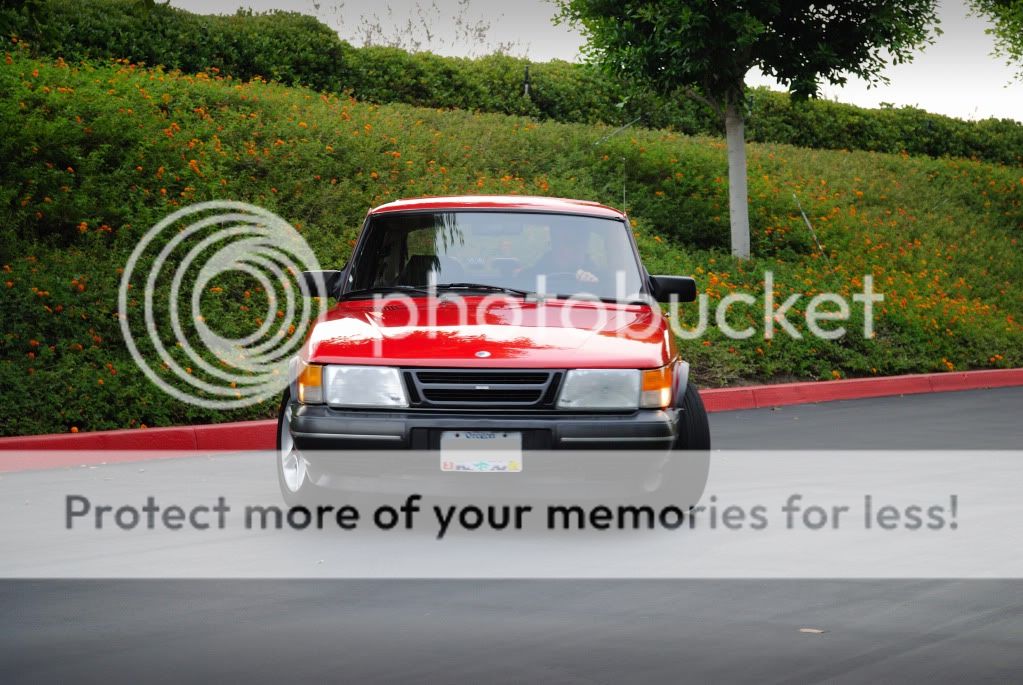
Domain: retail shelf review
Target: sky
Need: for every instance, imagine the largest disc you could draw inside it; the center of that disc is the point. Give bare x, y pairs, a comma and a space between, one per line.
956, 76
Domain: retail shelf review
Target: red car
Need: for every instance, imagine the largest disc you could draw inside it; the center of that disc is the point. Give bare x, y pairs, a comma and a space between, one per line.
484, 329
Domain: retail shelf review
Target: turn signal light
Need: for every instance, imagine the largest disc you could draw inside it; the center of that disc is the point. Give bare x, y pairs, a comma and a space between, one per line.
310, 383
656, 389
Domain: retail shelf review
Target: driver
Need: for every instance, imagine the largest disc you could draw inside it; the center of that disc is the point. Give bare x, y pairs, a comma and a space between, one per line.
565, 257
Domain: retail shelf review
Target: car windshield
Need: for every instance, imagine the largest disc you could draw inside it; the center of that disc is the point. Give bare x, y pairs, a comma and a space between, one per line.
553, 254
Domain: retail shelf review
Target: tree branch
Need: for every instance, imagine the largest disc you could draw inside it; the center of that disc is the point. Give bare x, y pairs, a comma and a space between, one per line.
694, 94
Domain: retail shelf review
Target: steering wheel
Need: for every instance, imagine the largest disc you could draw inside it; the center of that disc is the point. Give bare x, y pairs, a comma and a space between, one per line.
565, 282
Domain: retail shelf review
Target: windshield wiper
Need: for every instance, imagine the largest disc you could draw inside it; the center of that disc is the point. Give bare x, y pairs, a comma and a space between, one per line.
590, 298
386, 289
483, 286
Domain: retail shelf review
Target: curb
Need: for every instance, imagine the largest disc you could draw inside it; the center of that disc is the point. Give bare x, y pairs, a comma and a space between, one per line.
39, 452
261, 435
762, 396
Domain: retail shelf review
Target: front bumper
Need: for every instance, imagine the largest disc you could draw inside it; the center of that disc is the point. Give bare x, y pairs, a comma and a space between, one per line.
590, 455
318, 427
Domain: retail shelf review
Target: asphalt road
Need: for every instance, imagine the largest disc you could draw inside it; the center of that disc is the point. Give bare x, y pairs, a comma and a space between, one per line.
558, 631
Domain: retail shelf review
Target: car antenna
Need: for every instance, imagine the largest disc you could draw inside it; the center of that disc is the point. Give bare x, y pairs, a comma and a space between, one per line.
612, 134
812, 232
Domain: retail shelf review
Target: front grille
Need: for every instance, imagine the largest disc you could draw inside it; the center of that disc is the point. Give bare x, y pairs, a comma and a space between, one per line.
471, 388
476, 395
474, 377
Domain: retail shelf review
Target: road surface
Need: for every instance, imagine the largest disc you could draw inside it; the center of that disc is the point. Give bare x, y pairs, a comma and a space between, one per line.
558, 631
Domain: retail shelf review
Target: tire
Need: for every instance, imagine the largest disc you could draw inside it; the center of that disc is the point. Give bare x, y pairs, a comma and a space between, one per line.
694, 427
292, 471
689, 467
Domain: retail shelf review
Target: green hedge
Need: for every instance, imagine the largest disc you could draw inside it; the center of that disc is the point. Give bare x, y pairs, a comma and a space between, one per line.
281, 46
299, 50
92, 156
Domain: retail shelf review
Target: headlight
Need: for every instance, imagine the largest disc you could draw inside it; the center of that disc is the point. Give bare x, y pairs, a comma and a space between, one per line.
600, 389
363, 386
310, 383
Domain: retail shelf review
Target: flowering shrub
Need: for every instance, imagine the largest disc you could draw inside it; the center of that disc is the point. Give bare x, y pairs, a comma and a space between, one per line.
297, 49
92, 156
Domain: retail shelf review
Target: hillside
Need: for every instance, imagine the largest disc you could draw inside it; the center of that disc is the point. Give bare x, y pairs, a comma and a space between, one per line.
298, 49
91, 156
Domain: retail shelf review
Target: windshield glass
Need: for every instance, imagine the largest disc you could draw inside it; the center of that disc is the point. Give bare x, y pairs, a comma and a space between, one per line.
556, 254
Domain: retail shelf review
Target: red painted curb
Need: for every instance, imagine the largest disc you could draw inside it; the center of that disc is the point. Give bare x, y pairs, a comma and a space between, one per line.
237, 436
760, 396
260, 435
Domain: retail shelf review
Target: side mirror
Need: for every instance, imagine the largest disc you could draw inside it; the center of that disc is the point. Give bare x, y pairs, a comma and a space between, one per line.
664, 287
320, 283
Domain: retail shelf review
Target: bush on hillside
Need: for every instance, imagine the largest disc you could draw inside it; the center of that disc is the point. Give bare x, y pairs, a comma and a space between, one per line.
297, 49
283, 46
92, 156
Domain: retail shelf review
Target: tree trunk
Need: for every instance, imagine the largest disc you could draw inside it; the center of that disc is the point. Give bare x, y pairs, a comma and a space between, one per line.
738, 203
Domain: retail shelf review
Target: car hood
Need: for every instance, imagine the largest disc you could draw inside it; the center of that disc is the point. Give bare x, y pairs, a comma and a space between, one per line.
491, 332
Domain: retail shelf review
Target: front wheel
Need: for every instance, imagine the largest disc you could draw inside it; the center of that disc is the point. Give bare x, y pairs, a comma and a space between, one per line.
694, 427
689, 464
292, 469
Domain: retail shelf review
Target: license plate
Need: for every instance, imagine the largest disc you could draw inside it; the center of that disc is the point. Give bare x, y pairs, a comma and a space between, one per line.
481, 451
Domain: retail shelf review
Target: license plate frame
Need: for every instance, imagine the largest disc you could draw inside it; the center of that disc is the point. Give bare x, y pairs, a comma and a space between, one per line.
481, 451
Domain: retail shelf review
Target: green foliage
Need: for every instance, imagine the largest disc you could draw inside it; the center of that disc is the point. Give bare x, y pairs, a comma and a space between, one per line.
283, 46
823, 124
297, 49
706, 47
1006, 17
713, 45
92, 156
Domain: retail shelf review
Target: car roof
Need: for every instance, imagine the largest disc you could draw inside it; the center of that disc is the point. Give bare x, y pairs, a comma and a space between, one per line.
524, 203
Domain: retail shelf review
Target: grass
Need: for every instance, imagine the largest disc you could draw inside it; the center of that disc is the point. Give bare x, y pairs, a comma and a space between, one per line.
92, 155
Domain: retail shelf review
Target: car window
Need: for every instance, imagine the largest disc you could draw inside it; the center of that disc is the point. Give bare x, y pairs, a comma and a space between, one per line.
556, 253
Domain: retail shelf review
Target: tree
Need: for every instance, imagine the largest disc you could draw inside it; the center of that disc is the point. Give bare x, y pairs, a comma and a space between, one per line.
705, 48
1006, 17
